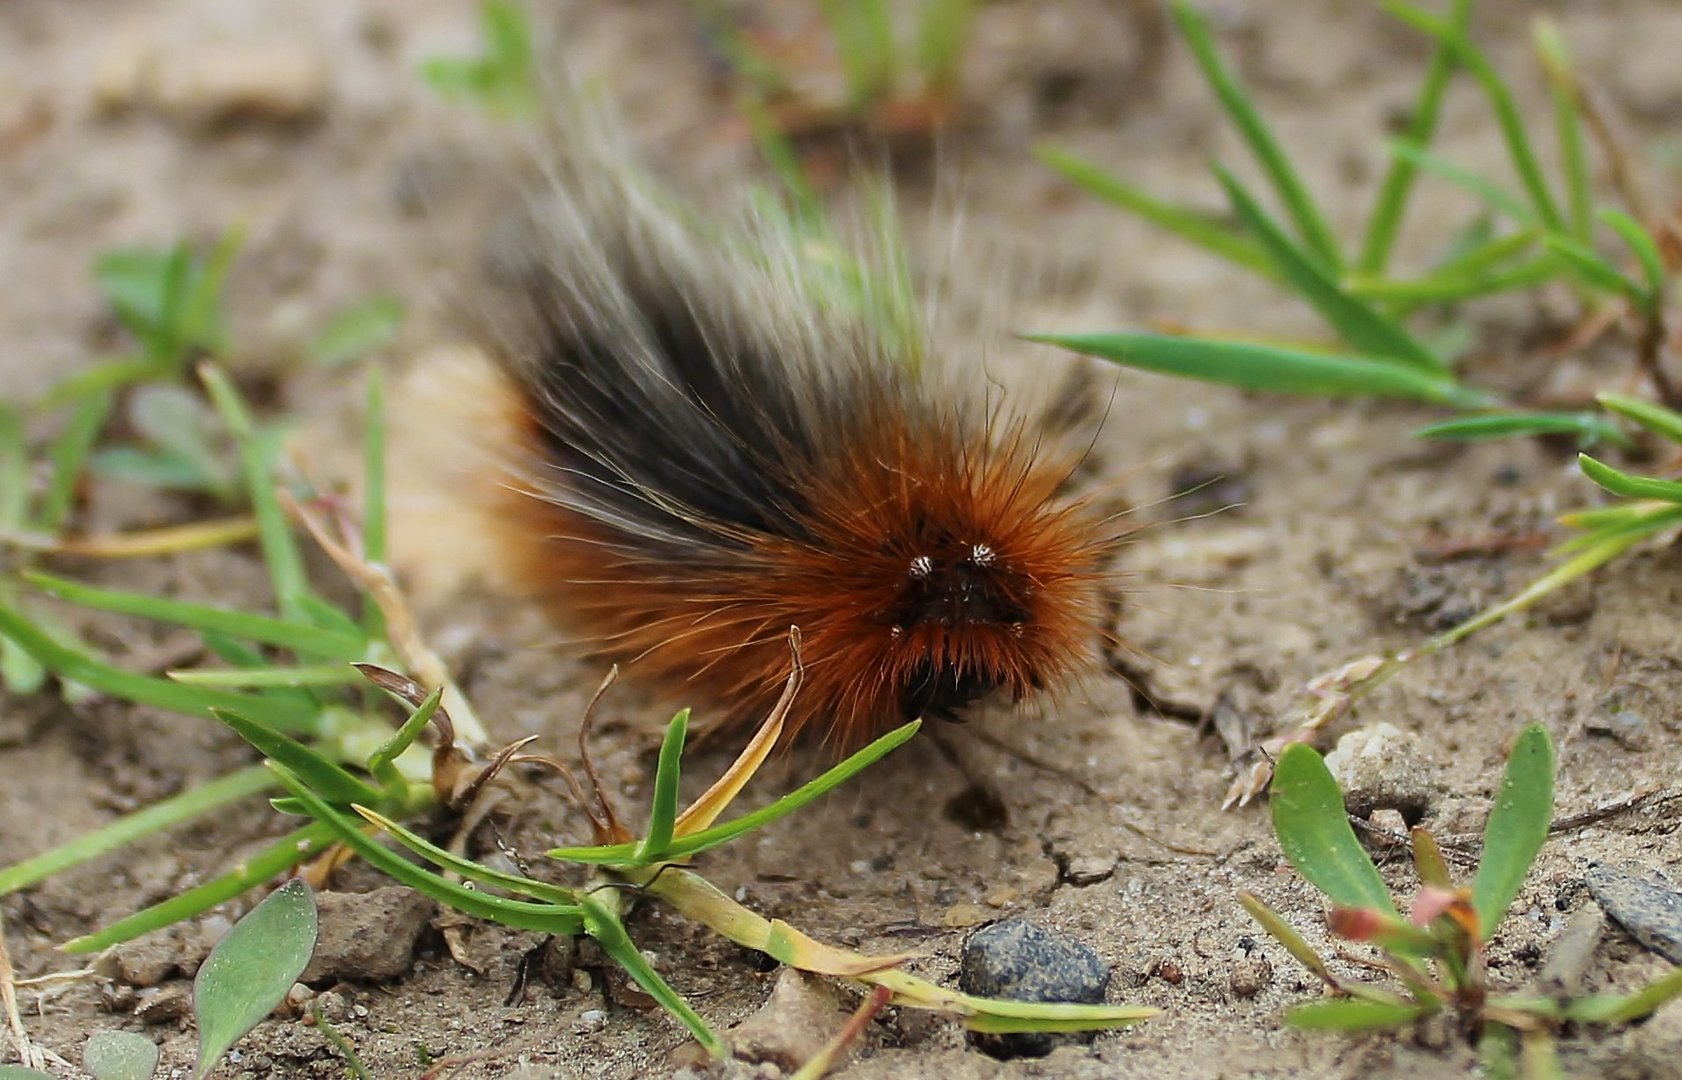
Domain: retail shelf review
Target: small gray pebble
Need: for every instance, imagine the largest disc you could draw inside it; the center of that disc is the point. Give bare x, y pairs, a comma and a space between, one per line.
1643, 901
1018, 960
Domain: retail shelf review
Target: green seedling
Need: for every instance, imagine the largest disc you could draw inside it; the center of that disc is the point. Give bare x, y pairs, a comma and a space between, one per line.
287, 679
656, 866
1435, 955
503, 79
900, 64
1520, 241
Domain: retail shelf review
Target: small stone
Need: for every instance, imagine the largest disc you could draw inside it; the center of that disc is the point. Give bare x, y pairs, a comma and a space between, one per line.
1089, 870
1249, 976
367, 936
1382, 767
149, 960
167, 1006
1643, 901
793, 1025
1626, 727
1018, 960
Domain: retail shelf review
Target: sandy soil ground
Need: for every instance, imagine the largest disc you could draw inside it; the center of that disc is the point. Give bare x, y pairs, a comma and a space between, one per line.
112, 132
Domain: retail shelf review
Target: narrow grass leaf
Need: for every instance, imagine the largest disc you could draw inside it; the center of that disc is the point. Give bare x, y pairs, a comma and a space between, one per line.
1518, 824
280, 551
374, 525
120, 1055
313, 767
1539, 1055
382, 762
1313, 830
1452, 288
603, 925
1361, 326
1629, 486
1496, 197
269, 676
1252, 366
1354, 1015
75, 666
1646, 251
1311, 226
662, 816
1428, 861
1282, 932
357, 330
1666, 423
189, 804
695, 843
468, 869
300, 637
993, 1016
1568, 121
1398, 180
1194, 226
251, 969
1507, 115
1592, 270
942, 35
296, 847
18, 1072
1623, 1008
520, 914
1589, 428
68, 454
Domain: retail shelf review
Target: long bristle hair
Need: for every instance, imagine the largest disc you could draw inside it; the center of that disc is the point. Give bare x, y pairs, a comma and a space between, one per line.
723, 431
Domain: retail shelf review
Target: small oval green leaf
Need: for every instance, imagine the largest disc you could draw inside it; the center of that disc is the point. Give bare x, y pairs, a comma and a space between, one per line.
1313, 830
120, 1055
251, 969
1518, 824
1352, 1015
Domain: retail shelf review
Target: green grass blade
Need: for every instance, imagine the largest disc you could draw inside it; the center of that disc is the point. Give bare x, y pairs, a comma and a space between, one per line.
382, 762
294, 848
1251, 366
1495, 197
1193, 226
1592, 270
1518, 824
695, 843
602, 924
280, 551
14, 469
1282, 932
374, 530
1452, 288
1622, 483
1624, 1008
520, 914
1353, 1015
468, 869
1311, 227
1666, 423
356, 331
1507, 114
1397, 185
1314, 832
1359, 325
68, 454
662, 816
1646, 251
321, 773
942, 35
1568, 121
251, 970
270, 677
74, 666
299, 637
189, 804
1589, 428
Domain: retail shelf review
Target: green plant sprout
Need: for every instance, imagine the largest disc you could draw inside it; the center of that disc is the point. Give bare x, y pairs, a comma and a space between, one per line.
287, 676
625, 867
503, 79
900, 64
244, 978
1435, 954
1517, 242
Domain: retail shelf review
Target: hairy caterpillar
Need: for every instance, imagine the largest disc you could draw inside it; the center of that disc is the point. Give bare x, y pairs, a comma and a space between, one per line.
725, 430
